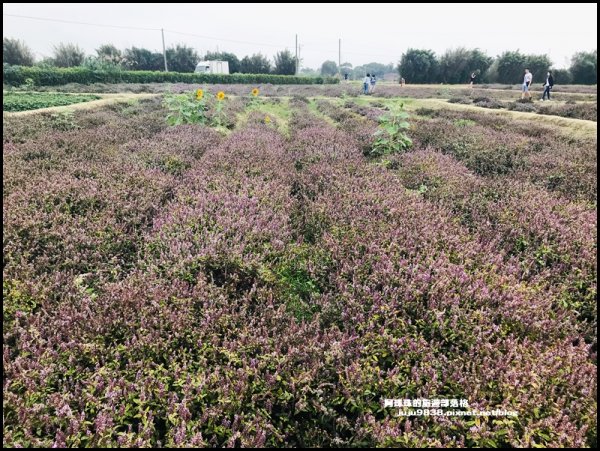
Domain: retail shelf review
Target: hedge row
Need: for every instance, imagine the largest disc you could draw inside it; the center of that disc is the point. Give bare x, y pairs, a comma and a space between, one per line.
17, 75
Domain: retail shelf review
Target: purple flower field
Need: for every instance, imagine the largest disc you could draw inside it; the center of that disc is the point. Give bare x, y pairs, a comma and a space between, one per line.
185, 287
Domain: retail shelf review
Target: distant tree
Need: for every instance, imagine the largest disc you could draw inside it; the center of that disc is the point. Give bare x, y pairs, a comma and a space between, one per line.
584, 68
491, 75
308, 72
419, 66
16, 52
68, 55
108, 51
346, 68
182, 58
376, 69
232, 59
255, 64
285, 63
137, 58
109, 54
456, 66
562, 76
511, 66
480, 63
329, 68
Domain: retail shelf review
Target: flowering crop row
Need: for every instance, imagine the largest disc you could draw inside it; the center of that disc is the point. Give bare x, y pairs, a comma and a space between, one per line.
177, 287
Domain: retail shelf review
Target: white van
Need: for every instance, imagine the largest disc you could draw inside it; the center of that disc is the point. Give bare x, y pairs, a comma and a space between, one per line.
212, 67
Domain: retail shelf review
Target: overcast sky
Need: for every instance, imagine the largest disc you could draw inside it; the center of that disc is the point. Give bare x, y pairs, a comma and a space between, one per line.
369, 31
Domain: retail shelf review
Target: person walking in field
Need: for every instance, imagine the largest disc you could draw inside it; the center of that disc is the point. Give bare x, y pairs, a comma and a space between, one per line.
367, 84
373, 81
548, 86
526, 84
473, 76
402, 81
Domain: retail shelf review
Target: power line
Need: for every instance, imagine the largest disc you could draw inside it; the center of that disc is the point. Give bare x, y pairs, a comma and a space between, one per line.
225, 40
349, 53
143, 28
262, 44
82, 23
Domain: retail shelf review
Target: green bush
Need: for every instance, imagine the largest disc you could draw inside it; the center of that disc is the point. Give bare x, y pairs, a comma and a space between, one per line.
525, 107
390, 136
16, 76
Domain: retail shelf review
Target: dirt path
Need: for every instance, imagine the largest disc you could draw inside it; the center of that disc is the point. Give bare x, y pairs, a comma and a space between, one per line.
106, 99
571, 126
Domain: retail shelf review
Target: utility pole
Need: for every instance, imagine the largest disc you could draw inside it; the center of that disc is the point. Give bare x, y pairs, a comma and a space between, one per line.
340, 57
296, 73
164, 51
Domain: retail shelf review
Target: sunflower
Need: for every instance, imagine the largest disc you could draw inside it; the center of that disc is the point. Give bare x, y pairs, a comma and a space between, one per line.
199, 94
255, 92
220, 95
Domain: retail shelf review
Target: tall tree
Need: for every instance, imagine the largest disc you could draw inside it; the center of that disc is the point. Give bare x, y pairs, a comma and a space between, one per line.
137, 58
255, 64
584, 68
457, 65
109, 53
562, 76
182, 58
376, 69
15, 51
329, 68
285, 63
419, 66
68, 55
511, 66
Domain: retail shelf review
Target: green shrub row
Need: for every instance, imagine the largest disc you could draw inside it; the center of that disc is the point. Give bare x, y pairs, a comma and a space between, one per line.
17, 75
24, 101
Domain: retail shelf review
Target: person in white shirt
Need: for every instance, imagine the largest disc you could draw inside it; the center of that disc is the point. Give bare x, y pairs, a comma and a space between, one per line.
367, 84
526, 84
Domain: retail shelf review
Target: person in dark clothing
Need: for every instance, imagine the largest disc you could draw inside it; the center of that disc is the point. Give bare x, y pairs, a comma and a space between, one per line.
472, 81
367, 84
548, 86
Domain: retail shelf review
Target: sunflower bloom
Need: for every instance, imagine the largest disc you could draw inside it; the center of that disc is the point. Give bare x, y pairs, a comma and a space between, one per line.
255, 92
220, 95
199, 94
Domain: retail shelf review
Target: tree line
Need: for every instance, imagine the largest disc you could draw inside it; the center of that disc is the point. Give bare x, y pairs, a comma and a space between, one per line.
180, 58
456, 66
415, 65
